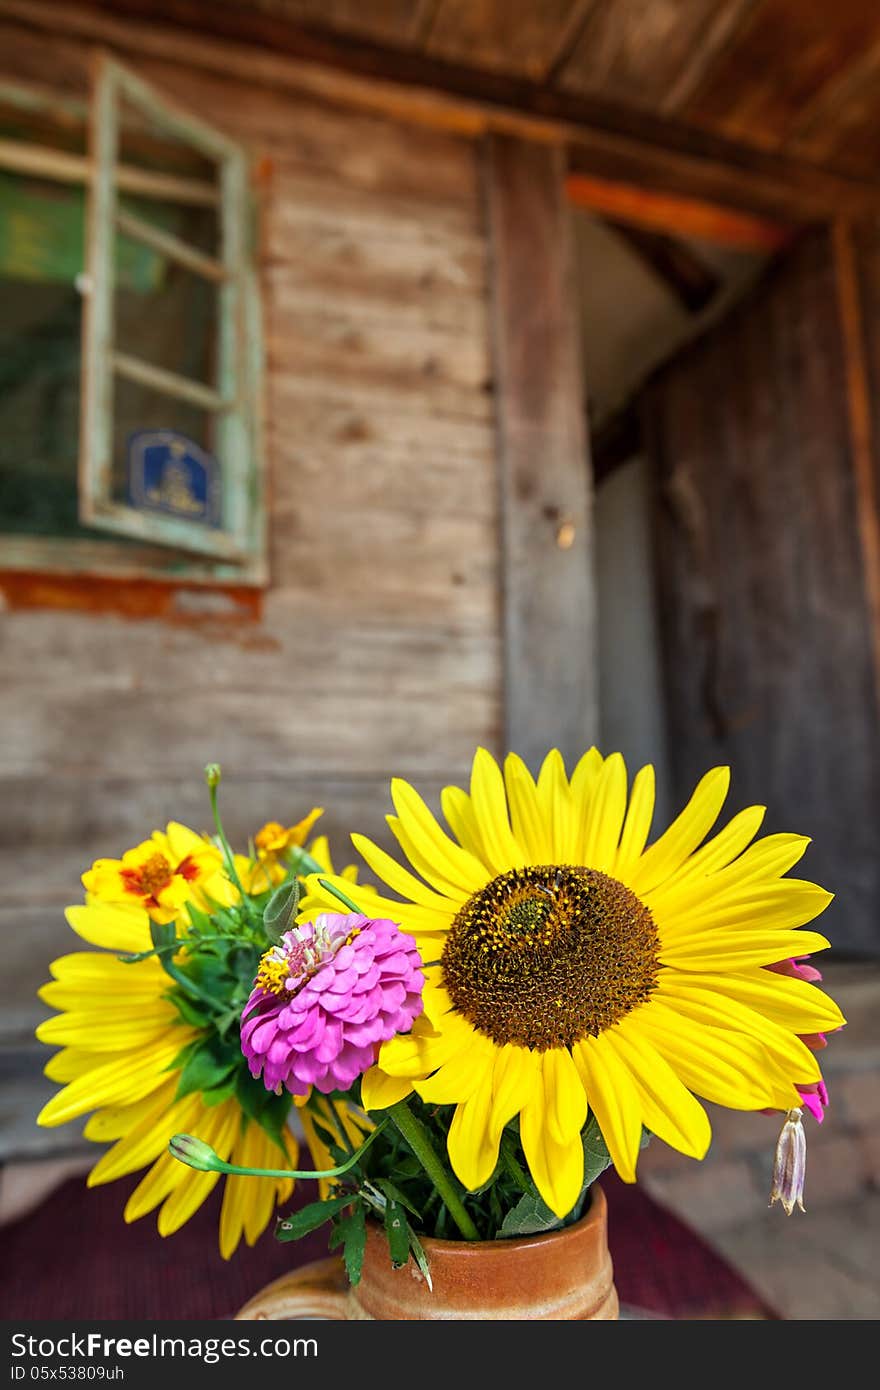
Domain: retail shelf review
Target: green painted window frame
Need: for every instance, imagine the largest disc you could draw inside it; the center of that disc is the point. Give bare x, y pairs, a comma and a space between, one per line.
170, 548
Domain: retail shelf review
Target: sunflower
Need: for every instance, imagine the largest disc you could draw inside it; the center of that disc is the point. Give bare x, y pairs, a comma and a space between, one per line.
123, 1048
571, 969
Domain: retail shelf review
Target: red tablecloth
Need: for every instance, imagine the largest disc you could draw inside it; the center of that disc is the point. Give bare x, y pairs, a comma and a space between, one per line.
73, 1258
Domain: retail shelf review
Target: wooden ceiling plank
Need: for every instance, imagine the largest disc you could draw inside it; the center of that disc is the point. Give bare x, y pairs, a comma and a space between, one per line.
843, 122
783, 56
720, 32
679, 216
514, 36
567, 39
603, 141
635, 51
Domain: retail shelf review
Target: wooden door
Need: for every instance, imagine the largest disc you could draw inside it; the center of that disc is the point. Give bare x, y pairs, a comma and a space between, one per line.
767, 640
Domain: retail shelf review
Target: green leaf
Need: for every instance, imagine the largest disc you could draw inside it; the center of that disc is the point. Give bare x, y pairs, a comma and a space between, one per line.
309, 1218
184, 1054
528, 1217
596, 1155
397, 1231
200, 922
273, 1116
189, 1010
394, 1194
218, 1094
351, 1233
206, 1068
162, 934
280, 911
420, 1258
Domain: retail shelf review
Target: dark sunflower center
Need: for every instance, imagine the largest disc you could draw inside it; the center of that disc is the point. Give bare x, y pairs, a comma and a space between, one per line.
545, 956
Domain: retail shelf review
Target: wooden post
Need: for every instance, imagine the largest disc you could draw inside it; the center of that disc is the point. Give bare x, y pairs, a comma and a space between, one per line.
858, 400
547, 549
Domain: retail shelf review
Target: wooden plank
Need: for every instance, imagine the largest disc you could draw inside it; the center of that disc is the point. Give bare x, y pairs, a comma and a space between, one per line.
605, 140
512, 36
47, 163
689, 217
549, 621
761, 585
840, 125
860, 388
636, 51
171, 247
780, 60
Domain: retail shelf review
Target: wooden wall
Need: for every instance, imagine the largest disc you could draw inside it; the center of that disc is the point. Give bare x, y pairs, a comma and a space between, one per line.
766, 630
378, 650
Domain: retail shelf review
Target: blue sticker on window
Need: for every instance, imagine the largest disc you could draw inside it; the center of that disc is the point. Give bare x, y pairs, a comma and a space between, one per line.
171, 474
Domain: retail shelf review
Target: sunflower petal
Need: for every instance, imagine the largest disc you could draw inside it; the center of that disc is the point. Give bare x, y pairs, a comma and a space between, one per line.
399, 879
557, 1168
719, 950
637, 825
472, 1143
661, 860
720, 1065
668, 1108
605, 817
564, 1094
379, 1090
458, 809
526, 817
512, 1083
116, 926
452, 863
613, 1099
489, 803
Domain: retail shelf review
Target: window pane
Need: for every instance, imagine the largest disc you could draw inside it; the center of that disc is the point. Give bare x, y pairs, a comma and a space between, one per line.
165, 313
41, 241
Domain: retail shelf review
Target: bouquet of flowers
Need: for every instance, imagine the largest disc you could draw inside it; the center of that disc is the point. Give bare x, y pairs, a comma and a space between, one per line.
465, 1041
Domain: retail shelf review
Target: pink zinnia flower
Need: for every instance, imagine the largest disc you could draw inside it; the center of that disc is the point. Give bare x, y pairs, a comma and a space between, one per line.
325, 997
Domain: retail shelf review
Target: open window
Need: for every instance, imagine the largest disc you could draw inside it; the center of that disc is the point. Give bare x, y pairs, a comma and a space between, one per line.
130, 344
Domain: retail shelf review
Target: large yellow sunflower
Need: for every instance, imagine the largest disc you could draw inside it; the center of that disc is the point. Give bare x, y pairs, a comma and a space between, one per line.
569, 968
121, 1041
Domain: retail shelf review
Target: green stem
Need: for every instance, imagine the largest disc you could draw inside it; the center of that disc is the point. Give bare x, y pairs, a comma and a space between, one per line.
178, 1149
343, 897
188, 985
514, 1170
416, 1135
224, 845
303, 863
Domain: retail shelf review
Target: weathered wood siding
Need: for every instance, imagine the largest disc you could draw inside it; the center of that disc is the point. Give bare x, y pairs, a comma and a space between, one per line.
766, 632
378, 651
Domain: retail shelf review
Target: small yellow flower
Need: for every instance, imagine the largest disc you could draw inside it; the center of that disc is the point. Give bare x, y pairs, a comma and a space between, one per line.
162, 874
275, 839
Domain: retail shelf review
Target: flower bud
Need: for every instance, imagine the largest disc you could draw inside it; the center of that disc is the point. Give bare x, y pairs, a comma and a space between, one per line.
790, 1165
212, 775
195, 1153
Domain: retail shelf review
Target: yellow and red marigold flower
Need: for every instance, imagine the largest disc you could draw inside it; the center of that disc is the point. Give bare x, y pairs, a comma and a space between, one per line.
163, 873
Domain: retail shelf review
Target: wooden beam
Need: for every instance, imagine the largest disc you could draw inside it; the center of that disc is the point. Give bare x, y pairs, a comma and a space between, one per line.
675, 265
606, 141
675, 215
547, 546
862, 443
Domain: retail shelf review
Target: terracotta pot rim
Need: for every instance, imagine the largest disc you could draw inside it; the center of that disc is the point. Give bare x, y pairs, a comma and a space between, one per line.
594, 1214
